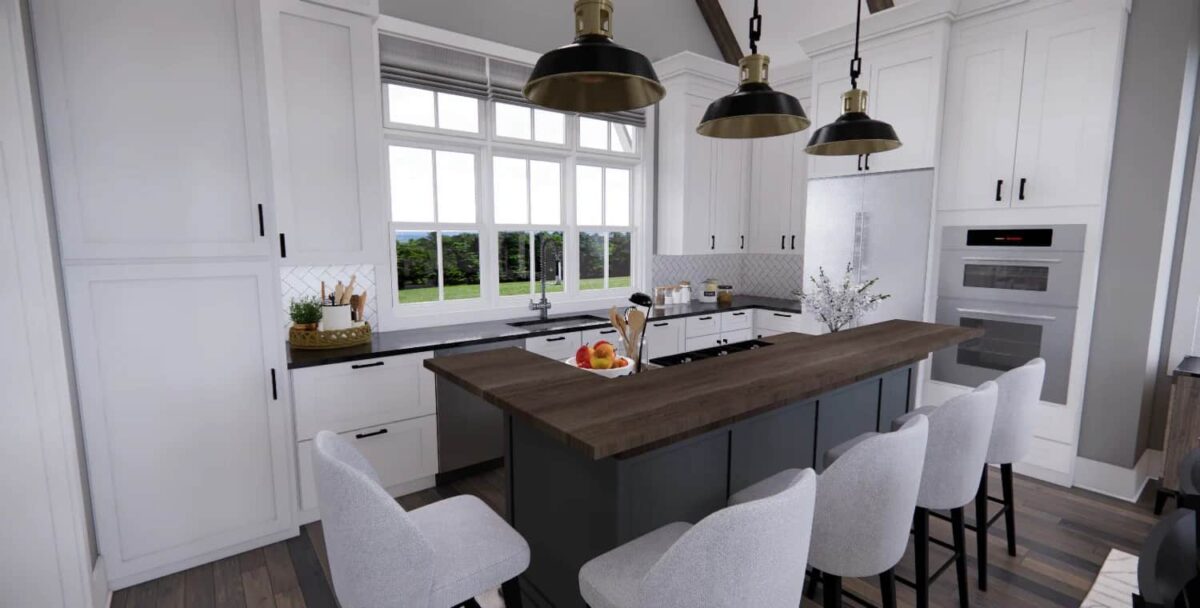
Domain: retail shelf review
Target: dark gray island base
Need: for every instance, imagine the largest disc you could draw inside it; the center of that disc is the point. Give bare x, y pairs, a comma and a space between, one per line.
571, 508
595, 462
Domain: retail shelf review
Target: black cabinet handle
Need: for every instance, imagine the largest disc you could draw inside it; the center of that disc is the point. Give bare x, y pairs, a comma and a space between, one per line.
262, 229
1021, 194
739, 314
782, 240
705, 318
999, 183
558, 339
793, 242
743, 246
779, 314
860, 162
371, 434
282, 245
867, 162
714, 241
274, 388
605, 332
366, 365
663, 324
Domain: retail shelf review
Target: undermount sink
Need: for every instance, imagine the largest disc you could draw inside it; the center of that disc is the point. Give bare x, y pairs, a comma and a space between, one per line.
559, 322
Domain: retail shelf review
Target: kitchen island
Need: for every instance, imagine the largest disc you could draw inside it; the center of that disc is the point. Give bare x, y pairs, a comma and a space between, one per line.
594, 462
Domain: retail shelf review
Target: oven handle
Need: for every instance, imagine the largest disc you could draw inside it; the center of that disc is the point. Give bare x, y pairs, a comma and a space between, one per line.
1013, 260
1011, 315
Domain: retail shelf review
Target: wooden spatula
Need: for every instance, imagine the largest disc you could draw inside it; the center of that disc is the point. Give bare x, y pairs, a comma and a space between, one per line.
637, 324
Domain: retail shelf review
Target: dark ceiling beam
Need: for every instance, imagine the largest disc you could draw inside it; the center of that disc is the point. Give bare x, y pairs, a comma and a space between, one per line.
874, 6
722, 34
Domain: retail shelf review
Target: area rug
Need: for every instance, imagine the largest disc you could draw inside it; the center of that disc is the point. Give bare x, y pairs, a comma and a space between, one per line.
1116, 583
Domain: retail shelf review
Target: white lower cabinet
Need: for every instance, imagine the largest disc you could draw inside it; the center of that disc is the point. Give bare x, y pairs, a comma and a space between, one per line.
404, 454
557, 346
664, 338
184, 427
345, 396
592, 336
772, 322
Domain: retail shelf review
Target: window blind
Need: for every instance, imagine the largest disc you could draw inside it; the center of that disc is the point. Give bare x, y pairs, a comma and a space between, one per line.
412, 63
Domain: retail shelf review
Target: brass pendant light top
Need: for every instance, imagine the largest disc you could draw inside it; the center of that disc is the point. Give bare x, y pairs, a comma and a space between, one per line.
854, 133
593, 74
754, 109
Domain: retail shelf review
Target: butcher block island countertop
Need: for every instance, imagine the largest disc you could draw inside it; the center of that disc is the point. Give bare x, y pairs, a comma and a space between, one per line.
625, 416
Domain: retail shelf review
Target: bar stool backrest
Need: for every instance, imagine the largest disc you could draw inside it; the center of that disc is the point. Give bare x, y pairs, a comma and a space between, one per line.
960, 431
1020, 392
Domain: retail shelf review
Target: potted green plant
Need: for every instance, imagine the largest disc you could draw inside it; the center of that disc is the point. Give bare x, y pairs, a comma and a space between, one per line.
305, 313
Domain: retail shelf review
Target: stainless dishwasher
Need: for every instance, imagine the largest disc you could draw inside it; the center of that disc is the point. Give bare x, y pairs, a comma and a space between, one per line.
470, 431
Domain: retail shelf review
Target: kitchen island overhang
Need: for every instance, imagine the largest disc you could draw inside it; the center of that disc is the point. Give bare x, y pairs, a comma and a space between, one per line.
596, 462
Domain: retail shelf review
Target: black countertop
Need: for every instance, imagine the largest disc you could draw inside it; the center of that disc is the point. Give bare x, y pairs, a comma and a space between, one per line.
1190, 366
390, 343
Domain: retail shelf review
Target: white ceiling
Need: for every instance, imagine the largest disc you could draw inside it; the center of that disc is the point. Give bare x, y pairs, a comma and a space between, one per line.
787, 21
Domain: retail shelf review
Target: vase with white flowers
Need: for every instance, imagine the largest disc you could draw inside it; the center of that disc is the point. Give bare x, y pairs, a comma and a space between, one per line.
839, 306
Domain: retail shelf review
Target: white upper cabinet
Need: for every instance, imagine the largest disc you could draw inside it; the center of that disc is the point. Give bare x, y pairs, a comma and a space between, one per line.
779, 191
703, 182
154, 122
902, 72
365, 7
1030, 106
324, 97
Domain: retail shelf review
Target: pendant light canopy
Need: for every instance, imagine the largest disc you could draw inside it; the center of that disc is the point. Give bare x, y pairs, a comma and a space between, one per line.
593, 74
754, 109
853, 133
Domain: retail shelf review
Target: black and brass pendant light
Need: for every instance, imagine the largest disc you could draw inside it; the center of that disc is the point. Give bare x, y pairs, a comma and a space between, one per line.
754, 109
854, 133
593, 73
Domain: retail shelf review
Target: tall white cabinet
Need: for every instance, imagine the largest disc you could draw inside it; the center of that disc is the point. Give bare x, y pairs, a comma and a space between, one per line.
703, 182
779, 182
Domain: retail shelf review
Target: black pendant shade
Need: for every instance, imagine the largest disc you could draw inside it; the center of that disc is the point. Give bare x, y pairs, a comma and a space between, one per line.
854, 132
593, 73
754, 109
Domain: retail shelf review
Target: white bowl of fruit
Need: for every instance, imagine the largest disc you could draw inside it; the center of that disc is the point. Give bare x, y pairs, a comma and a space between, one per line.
601, 359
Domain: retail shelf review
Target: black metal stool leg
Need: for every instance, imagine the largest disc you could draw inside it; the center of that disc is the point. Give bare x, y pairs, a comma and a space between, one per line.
511, 590
981, 532
832, 591
960, 555
814, 577
921, 542
1010, 512
887, 588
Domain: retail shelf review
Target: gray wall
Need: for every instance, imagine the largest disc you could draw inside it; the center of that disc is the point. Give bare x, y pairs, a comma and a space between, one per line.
656, 28
1132, 297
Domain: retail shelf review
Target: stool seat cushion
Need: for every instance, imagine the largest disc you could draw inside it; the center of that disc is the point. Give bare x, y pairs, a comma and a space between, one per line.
473, 548
835, 452
613, 579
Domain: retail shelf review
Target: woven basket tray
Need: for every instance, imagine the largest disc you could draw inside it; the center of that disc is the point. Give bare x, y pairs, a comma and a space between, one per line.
339, 338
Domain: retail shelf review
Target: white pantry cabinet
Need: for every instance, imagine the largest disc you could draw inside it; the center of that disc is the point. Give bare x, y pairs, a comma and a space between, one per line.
155, 127
1016, 132
323, 94
902, 72
179, 369
703, 182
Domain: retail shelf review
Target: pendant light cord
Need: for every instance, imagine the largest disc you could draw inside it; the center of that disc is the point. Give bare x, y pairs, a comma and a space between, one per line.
756, 30
856, 63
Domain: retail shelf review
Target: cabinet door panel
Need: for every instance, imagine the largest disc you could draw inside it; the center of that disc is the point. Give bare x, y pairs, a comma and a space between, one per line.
894, 242
325, 131
699, 183
1067, 106
903, 93
798, 206
979, 136
154, 125
771, 193
829, 241
663, 338
186, 445
730, 194
830, 79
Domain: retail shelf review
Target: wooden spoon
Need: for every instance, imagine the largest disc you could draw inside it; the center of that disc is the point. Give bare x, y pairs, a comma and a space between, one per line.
637, 324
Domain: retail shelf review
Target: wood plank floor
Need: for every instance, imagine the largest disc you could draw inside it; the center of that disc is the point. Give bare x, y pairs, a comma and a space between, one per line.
1063, 537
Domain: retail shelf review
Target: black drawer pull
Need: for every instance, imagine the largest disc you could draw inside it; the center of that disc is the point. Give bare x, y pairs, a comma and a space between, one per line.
365, 365
738, 314
999, 183
558, 339
663, 324
782, 240
705, 318
1021, 194
371, 434
779, 314
793, 242
605, 332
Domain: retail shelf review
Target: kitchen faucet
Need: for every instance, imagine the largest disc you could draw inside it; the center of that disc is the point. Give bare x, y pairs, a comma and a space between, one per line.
543, 306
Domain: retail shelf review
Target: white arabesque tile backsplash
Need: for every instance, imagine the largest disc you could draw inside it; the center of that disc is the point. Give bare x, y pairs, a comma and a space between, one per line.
300, 281
775, 276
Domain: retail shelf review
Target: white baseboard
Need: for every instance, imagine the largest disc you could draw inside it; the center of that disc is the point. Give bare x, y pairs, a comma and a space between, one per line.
1118, 482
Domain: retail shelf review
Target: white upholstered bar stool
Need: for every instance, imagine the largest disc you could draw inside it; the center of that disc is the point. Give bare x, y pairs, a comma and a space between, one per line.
438, 556
865, 501
1020, 390
752, 554
959, 433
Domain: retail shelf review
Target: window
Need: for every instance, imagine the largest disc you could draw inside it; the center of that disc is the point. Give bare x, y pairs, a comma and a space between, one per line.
482, 186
